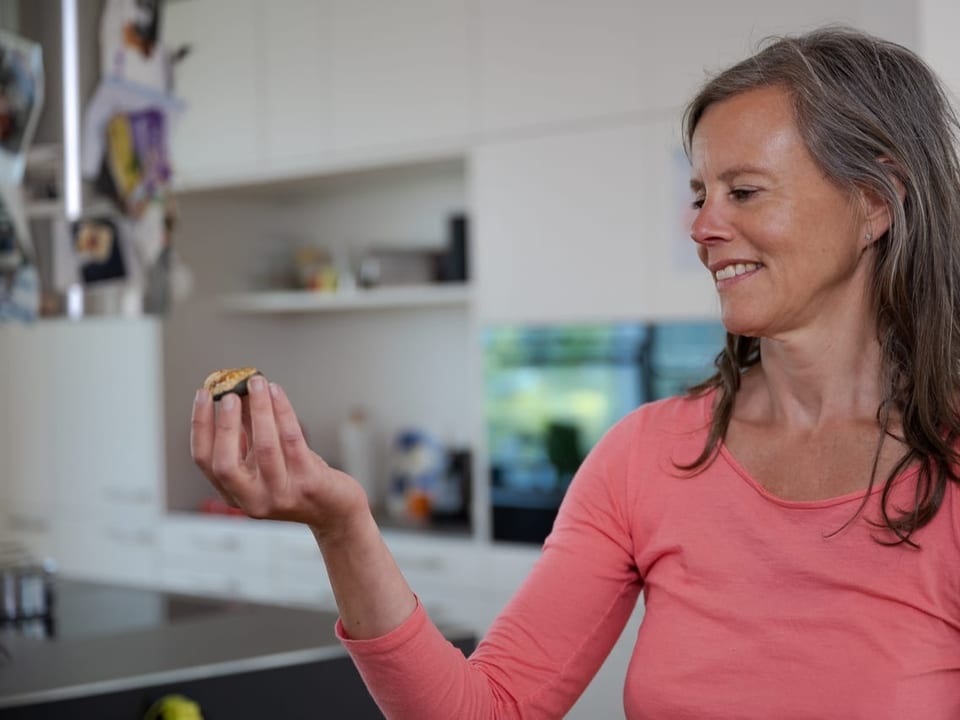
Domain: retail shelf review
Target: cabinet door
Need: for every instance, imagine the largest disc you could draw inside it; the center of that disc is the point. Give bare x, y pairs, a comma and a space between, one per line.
402, 73
938, 43
29, 413
108, 440
217, 556
585, 226
217, 138
544, 62
8, 420
26, 450
298, 84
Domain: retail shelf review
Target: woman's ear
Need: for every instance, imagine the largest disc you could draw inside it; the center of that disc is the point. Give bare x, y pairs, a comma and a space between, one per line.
875, 212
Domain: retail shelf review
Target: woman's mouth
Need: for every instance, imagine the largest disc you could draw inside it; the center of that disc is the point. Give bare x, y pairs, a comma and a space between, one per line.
734, 270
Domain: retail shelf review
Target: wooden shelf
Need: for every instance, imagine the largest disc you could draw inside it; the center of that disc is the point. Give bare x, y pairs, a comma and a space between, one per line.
383, 298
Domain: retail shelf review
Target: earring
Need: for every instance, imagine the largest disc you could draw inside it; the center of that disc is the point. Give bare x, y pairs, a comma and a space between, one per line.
868, 236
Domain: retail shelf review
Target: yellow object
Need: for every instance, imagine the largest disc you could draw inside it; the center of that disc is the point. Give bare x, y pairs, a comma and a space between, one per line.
174, 707
122, 155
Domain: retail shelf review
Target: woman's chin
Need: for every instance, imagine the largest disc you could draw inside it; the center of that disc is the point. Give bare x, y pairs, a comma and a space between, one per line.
739, 325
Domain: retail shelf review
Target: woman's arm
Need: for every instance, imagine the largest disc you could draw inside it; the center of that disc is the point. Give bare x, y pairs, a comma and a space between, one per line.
543, 649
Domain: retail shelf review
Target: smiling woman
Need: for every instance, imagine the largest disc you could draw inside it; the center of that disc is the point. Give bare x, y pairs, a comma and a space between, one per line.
829, 161
779, 581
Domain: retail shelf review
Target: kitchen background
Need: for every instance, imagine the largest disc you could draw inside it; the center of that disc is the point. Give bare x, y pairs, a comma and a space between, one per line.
533, 146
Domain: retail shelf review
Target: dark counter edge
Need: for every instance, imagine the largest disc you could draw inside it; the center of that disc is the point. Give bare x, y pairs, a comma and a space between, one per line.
200, 672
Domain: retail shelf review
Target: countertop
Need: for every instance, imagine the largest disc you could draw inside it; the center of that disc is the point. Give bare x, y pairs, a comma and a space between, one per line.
111, 639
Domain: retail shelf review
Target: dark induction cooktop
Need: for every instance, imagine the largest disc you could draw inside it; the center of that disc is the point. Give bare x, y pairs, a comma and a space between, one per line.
86, 609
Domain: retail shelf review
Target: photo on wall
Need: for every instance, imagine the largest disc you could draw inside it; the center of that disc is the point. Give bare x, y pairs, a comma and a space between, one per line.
96, 243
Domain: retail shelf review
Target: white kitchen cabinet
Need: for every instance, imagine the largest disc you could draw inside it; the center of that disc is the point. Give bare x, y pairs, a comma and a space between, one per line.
27, 411
402, 74
218, 138
938, 44
7, 420
30, 530
300, 87
215, 556
82, 463
106, 376
585, 226
548, 64
29, 406
108, 547
298, 575
684, 42
298, 102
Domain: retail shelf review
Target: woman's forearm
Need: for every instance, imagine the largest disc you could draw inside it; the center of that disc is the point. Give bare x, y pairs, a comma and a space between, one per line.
372, 595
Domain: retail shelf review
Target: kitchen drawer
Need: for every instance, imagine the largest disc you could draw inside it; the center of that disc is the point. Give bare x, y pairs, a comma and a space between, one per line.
117, 550
304, 589
297, 569
213, 542
217, 582
464, 607
31, 530
509, 566
437, 560
293, 544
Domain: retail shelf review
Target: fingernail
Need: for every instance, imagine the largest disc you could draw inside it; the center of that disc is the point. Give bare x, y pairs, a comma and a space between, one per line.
275, 390
257, 383
228, 401
202, 397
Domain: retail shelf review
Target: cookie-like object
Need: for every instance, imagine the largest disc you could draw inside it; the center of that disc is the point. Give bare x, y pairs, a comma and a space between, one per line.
221, 382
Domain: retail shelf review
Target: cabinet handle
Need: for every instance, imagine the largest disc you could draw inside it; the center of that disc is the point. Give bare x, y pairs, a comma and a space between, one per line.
430, 564
28, 523
134, 537
222, 544
128, 495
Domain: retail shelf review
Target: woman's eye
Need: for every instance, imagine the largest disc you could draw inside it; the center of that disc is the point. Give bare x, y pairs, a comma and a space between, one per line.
741, 194
697, 203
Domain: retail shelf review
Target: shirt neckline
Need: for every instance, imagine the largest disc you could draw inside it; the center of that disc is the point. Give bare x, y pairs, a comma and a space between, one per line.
728, 457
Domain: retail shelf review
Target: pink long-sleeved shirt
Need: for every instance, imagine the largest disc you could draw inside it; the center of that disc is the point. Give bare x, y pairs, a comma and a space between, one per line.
753, 610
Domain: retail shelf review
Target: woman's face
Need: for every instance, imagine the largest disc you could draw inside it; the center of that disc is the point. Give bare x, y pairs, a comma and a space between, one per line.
782, 242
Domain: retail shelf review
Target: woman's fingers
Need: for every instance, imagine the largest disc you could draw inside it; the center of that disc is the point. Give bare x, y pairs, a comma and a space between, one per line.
202, 432
295, 451
267, 451
226, 462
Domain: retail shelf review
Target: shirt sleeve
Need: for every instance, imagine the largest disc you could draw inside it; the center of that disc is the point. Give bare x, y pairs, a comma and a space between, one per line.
544, 648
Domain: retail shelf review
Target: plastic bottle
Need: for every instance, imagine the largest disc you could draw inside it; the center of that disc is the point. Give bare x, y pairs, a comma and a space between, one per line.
356, 453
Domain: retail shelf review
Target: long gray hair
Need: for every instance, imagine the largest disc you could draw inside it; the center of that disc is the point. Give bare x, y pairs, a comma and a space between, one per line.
873, 115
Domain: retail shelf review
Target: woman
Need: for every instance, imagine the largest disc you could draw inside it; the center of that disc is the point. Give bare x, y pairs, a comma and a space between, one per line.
794, 523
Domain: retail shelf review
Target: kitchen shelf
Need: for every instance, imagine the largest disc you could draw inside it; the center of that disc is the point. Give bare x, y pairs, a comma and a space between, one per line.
44, 209
382, 298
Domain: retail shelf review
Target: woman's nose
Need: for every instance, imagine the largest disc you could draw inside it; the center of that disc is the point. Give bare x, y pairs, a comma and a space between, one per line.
708, 225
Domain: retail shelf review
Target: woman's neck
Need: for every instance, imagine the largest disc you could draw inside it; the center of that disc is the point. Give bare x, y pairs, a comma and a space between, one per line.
813, 378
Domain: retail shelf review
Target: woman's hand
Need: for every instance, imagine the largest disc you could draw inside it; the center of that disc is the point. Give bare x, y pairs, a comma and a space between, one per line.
254, 453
